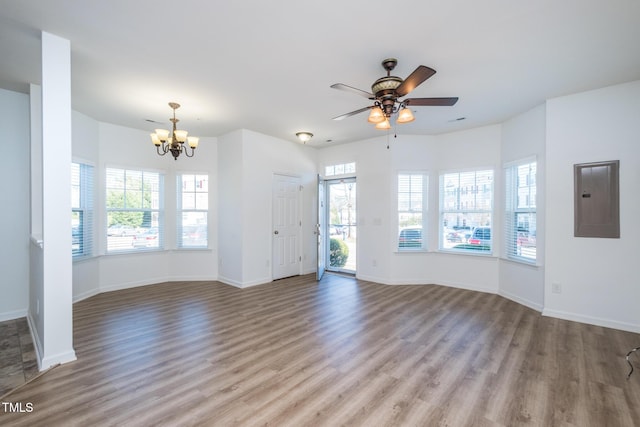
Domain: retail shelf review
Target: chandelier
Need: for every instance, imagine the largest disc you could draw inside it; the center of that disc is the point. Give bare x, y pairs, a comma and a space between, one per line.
173, 141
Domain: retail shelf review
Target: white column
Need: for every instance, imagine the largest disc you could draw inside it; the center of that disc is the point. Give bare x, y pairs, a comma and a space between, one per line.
56, 201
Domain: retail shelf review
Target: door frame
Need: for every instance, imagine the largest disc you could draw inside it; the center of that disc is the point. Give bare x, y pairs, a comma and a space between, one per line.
321, 229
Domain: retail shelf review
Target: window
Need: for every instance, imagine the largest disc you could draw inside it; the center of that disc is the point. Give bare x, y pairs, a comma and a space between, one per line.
466, 210
341, 169
134, 210
412, 206
193, 210
520, 213
81, 209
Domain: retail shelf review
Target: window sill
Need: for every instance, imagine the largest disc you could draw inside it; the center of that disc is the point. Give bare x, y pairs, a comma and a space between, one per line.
468, 252
196, 249
411, 251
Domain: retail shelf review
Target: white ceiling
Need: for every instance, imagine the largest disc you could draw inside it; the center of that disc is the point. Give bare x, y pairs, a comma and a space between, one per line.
267, 66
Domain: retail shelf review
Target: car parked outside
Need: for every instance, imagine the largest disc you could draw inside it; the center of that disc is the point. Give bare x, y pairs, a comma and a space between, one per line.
146, 239
121, 230
480, 236
194, 235
410, 237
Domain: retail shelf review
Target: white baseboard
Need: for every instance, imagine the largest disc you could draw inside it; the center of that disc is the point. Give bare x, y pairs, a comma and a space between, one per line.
606, 323
57, 359
85, 295
192, 279
532, 305
10, 315
37, 344
424, 282
128, 285
49, 361
243, 285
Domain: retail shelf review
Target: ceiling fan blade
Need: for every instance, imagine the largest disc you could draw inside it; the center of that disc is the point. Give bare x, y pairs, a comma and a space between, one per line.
435, 102
418, 76
353, 113
357, 91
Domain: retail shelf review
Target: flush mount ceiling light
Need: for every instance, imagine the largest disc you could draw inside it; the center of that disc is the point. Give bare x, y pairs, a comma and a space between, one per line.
386, 93
173, 141
304, 136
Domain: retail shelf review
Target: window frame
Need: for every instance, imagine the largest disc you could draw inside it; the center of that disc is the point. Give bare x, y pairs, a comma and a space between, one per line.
180, 210
424, 210
443, 211
512, 209
158, 212
340, 170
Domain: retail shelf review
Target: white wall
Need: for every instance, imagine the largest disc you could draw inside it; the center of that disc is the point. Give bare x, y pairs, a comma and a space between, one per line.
132, 148
524, 137
230, 199
598, 277
265, 156
14, 232
248, 161
377, 169
106, 145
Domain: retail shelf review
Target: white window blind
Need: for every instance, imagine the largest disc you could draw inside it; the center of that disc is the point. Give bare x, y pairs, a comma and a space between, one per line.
520, 211
134, 205
82, 218
412, 211
193, 211
466, 211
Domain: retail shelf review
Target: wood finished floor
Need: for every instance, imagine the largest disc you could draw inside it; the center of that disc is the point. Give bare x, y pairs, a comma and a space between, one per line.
298, 352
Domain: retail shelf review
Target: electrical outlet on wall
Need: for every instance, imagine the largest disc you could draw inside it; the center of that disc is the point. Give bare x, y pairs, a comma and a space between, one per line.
556, 288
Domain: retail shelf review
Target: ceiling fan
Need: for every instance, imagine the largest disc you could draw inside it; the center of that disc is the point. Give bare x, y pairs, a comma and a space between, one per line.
385, 94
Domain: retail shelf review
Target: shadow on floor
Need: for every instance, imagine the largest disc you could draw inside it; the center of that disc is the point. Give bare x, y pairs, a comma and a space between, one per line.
17, 355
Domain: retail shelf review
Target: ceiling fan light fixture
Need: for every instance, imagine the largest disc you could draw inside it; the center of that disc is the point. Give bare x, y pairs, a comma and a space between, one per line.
376, 115
384, 125
405, 116
304, 137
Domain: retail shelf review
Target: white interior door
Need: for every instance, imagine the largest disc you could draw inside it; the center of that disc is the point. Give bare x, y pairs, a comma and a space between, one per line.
286, 226
321, 228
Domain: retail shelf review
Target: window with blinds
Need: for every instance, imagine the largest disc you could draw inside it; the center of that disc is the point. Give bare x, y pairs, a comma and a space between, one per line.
412, 211
193, 211
520, 211
82, 203
134, 205
466, 211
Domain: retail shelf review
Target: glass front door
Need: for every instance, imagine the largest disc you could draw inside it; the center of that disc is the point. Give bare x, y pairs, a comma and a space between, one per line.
341, 225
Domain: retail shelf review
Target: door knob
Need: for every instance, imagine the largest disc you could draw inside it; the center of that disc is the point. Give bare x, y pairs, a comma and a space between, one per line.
275, 232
